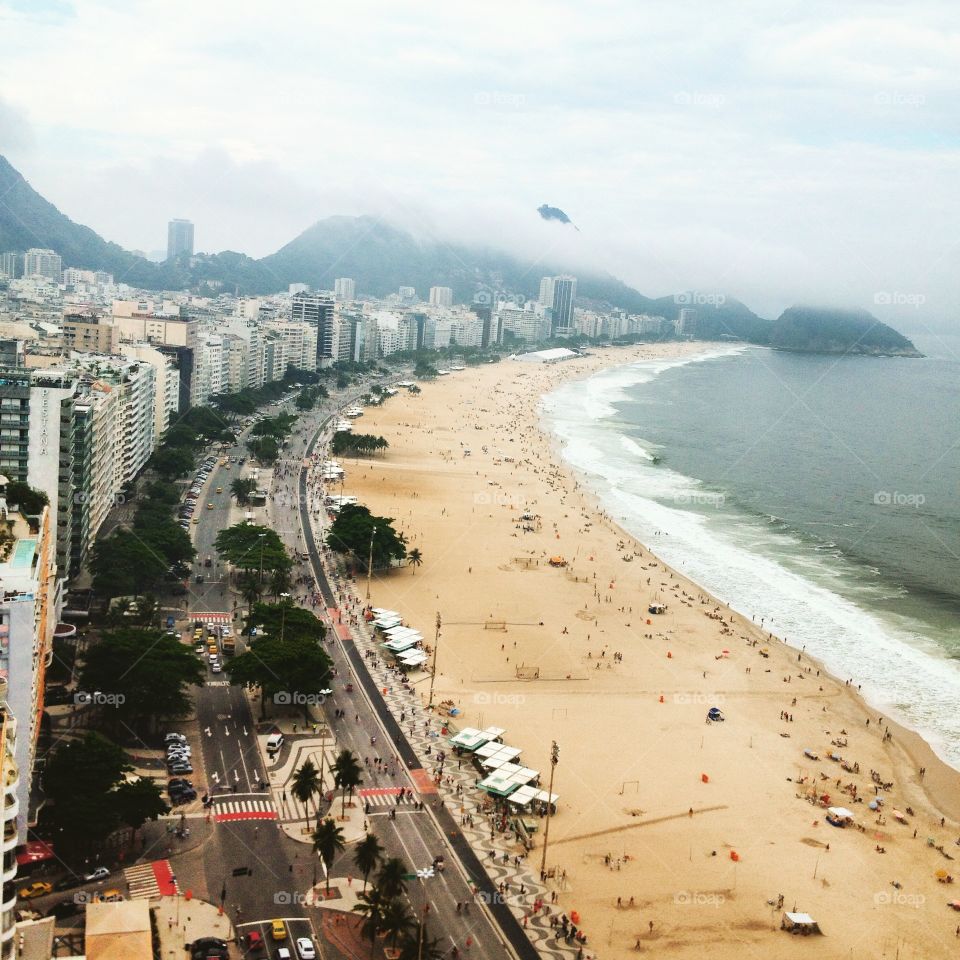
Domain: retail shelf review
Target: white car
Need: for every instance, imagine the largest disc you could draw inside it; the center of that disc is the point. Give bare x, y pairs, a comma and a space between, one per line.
216, 668
306, 949
101, 873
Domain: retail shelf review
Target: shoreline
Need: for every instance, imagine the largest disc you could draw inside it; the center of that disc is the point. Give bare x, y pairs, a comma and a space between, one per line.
411, 475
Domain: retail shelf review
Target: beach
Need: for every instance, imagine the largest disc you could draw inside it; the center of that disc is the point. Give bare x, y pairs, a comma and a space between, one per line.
698, 828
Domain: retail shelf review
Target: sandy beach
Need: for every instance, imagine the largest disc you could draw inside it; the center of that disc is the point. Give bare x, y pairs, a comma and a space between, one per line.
696, 828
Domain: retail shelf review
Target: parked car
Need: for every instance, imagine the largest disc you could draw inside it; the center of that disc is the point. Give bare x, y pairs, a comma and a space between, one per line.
204, 943
174, 738
179, 766
36, 889
278, 930
306, 949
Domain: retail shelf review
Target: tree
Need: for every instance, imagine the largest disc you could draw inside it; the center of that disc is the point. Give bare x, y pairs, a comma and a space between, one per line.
264, 449
346, 775
306, 784
171, 462
391, 880
142, 675
372, 906
30, 501
251, 547
352, 530
367, 856
328, 842
286, 657
241, 488
415, 557
396, 921
138, 801
124, 564
77, 778
421, 946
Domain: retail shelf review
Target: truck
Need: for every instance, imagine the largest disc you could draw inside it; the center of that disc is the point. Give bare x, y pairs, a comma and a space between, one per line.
228, 645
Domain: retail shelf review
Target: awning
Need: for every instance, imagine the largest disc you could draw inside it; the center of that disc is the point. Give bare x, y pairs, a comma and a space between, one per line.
470, 738
402, 644
35, 851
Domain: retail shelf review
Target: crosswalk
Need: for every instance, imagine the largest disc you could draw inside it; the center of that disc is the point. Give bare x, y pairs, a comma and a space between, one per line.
256, 808
211, 618
385, 797
144, 880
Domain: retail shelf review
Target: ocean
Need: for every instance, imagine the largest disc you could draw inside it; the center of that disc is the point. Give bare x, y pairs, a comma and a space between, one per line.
820, 494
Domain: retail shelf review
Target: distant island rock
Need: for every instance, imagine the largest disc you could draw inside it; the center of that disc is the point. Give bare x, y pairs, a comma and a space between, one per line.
825, 330
555, 213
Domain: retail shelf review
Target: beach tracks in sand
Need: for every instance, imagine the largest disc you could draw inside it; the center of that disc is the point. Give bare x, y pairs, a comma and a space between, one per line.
643, 823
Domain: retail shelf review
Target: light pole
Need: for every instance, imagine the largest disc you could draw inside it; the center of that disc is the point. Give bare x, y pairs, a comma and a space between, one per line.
260, 537
433, 669
554, 759
373, 533
284, 600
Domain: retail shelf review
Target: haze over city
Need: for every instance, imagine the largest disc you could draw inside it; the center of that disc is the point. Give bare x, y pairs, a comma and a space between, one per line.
778, 153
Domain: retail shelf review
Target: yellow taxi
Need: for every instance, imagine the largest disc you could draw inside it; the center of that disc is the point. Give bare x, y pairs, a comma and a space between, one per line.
278, 930
209, 506
41, 889
219, 489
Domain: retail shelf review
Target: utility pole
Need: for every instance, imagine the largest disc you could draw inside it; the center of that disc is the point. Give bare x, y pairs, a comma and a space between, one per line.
373, 533
554, 759
433, 669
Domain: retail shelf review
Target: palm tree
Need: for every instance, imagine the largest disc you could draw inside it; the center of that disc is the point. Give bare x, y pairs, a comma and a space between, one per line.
250, 589
396, 920
241, 488
279, 581
305, 784
372, 907
415, 557
367, 856
418, 945
328, 842
346, 776
391, 880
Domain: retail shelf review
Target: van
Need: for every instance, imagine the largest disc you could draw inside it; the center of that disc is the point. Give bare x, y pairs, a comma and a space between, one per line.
274, 742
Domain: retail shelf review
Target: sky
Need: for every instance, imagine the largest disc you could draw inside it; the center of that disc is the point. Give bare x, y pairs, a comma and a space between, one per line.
777, 152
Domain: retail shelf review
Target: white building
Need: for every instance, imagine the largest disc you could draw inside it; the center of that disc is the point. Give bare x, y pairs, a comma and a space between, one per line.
441, 297
42, 263
344, 288
546, 292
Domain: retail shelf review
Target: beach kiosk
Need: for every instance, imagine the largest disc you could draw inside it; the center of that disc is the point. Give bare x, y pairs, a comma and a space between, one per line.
839, 817
799, 923
657, 608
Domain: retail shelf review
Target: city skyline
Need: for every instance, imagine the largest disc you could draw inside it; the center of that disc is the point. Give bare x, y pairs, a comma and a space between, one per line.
769, 180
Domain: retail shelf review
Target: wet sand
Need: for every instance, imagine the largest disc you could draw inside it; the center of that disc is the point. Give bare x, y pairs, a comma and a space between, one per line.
643, 778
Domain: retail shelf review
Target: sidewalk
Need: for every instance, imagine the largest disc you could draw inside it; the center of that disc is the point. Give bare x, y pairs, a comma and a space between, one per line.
181, 921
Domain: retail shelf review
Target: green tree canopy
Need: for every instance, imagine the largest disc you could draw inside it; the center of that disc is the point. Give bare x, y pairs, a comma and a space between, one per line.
356, 443
252, 547
138, 801
328, 842
146, 673
241, 488
351, 533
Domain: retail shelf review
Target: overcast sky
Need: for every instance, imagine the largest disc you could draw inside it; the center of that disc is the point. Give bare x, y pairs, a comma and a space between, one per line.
777, 152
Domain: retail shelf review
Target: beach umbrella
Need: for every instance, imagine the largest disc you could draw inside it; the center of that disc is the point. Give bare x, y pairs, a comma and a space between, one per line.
941, 874
873, 805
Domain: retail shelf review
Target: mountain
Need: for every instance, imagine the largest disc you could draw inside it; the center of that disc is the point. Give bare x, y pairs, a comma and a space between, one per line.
825, 330
379, 256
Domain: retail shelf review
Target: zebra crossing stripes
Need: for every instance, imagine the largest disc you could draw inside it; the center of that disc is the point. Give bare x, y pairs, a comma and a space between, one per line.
142, 880
384, 796
257, 808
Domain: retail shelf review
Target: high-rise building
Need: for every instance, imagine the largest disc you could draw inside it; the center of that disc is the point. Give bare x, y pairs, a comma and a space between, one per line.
546, 292
316, 309
407, 293
564, 294
27, 619
344, 288
489, 331
42, 263
179, 239
686, 322
14, 422
89, 334
9, 814
441, 297
11, 265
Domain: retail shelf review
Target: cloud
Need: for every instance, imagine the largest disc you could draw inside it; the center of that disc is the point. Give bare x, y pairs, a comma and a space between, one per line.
787, 154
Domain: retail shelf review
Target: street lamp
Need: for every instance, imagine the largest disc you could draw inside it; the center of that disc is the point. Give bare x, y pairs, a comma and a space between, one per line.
373, 533
554, 759
284, 598
433, 669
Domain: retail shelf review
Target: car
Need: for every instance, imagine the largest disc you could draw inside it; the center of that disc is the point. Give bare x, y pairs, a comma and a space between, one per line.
67, 882
64, 909
37, 889
209, 506
283, 954
253, 940
306, 949
183, 796
101, 873
174, 738
177, 745
196, 520
108, 896
198, 578
179, 751
216, 666
208, 943
219, 489
178, 783
278, 930
179, 766
184, 523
